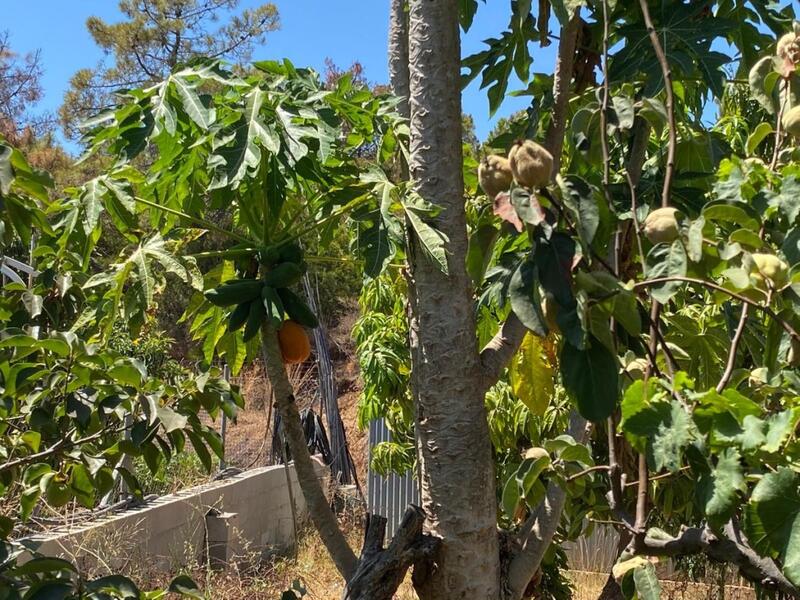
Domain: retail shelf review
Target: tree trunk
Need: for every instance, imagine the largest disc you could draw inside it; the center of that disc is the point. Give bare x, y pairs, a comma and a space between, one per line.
562, 80
454, 449
318, 507
380, 572
399, 77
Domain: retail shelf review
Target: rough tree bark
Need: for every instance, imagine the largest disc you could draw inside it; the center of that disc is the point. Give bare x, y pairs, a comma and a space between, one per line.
380, 572
454, 449
399, 76
562, 84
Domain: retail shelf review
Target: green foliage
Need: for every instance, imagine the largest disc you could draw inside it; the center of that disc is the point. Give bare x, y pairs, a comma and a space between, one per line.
381, 346
81, 392
273, 154
655, 337
182, 471
153, 348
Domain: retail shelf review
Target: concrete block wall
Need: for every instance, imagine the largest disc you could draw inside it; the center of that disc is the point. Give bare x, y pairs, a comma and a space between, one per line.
170, 531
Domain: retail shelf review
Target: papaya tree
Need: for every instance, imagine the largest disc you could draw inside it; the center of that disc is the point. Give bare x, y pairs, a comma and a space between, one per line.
256, 164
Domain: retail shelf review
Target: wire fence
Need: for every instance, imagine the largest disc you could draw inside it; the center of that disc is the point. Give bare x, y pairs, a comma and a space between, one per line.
248, 439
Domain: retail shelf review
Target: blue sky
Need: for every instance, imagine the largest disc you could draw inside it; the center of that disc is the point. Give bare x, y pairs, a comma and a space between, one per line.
311, 31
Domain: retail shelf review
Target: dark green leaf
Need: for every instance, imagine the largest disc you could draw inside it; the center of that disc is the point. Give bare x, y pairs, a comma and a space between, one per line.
591, 378
719, 489
581, 200
773, 519
525, 301
666, 260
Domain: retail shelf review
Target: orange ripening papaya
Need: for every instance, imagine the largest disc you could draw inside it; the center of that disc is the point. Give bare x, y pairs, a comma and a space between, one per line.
295, 345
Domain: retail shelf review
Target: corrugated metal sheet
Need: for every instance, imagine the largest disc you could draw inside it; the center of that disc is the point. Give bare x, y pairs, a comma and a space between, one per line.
389, 496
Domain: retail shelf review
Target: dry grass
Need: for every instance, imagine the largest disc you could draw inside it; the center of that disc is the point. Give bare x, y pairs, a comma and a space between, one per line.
588, 586
252, 578
314, 569
311, 566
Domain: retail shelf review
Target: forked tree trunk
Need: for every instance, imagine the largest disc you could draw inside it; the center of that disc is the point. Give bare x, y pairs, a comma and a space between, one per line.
454, 449
381, 571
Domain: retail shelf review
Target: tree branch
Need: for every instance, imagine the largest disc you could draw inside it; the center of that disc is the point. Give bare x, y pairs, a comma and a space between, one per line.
495, 355
589, 471
667, 74
61, 444
536, 535
779, 126
538, 530
562, 79
730, 548
498, 352
713, 286
737, 338
380, 572
318, 507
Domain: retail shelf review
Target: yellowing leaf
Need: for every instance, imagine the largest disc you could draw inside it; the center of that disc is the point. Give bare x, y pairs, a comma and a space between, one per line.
532, 375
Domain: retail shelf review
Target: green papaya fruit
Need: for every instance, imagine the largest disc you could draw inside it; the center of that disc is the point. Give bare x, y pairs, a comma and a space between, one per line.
290, 253
58, 492
297, 309
284, 275
238, 316
269, 256
273, 306
255, 318
234, 292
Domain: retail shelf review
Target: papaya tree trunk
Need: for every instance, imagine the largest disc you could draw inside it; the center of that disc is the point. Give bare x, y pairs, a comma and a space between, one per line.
318, 507
454, 450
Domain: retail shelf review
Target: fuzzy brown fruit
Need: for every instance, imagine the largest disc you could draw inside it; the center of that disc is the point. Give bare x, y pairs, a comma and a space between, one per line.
791, 121
536, 453
769, 267
295, 345
637, 368
789, 48
661, 225
494, 175
531, 164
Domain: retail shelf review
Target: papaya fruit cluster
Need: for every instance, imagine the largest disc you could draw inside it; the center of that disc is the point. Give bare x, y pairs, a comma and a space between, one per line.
269, 298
